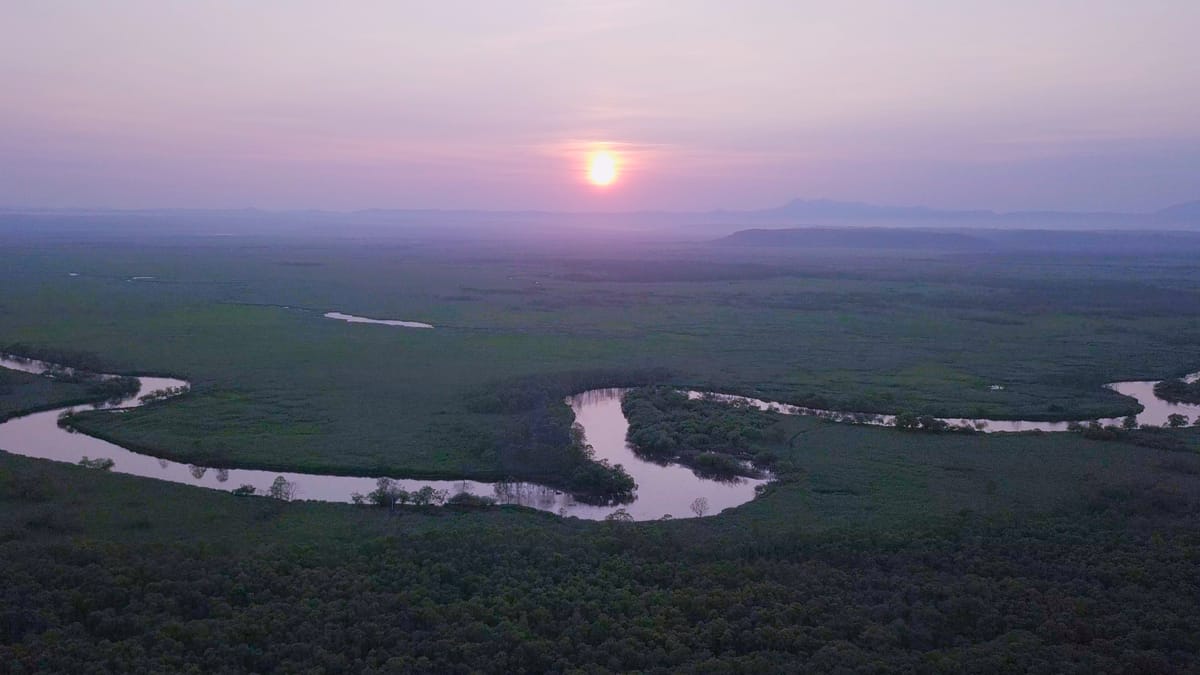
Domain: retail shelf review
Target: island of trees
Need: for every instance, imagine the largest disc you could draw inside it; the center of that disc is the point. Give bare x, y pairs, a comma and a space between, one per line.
714, 438
1178, 391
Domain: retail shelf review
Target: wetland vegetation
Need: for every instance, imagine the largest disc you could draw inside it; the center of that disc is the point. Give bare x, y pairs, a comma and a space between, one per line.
285, 389
1178, 391
713, 437
529, 337
934, 554
872, 549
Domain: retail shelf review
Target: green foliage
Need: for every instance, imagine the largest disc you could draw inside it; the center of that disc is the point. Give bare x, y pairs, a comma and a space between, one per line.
1178, 391
907, 421
282, 489
24, 392
100, 463
87, 361
427, 496
599, 482
876, 551
468, 500
714, 437
231, 585
162, 394
113, 388
523, 394
858, 333
388, 494
1146, 436
715, 464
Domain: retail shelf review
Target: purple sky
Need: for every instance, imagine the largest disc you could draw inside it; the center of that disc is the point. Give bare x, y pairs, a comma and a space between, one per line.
1070, 104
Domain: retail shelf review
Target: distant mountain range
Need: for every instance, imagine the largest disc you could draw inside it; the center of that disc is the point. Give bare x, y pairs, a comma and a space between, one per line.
1186, 210
696, 224
821, 210
1123, 242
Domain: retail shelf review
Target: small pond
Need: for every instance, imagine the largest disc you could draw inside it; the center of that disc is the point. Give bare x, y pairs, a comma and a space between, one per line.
350, 318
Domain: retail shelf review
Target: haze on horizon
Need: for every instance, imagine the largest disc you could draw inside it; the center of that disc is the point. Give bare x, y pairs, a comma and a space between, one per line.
464, 105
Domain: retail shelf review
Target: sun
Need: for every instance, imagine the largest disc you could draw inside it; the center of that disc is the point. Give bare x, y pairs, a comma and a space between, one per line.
602, 168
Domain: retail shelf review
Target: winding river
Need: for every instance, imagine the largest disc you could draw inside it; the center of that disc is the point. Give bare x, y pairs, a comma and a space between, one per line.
1155, 410
663, 490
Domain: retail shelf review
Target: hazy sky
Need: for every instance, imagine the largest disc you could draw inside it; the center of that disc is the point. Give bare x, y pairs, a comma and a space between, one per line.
1073, 104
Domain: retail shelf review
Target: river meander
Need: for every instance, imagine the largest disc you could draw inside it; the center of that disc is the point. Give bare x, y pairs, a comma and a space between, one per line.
663, 490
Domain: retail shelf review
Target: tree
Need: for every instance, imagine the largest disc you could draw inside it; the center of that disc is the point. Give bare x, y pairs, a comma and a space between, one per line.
423, 496
469, 500
427, 495
387, 493
931, 423
1129, 422
403, 497
699, 507
906, 420
1175, 420
1178, 391
282, 489
244, 491
101, 463
619, 516
601, 481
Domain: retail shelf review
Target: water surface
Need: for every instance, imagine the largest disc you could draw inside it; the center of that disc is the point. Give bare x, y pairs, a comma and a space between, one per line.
350, 318
662, 490
1154, 410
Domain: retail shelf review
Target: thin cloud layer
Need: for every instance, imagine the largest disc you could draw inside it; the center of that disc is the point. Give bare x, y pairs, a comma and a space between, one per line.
482, 105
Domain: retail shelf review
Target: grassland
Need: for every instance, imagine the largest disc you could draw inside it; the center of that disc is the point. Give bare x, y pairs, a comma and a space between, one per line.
875, 550
278, 386
25, 392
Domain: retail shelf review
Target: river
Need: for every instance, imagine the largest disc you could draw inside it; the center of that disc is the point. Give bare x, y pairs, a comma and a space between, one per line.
663, 489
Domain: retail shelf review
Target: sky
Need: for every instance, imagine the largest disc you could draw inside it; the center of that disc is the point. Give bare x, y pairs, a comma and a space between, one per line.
1015, 104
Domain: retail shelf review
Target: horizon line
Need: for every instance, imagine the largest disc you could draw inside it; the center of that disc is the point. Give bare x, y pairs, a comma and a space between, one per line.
916, 208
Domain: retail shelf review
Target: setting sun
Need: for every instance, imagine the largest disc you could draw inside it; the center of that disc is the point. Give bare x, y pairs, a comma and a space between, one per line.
602, 168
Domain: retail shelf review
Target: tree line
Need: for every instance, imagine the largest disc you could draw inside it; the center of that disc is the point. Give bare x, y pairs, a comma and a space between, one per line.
715, 438
1178, 391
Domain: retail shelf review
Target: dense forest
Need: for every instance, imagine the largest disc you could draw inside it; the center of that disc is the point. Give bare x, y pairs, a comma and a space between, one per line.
97, 581
714, 438
69, 358
22, 392
109, 573
540, 439
1178, 391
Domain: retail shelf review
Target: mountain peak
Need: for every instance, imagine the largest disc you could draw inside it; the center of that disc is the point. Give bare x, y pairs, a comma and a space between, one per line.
1184, 210
831, 208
